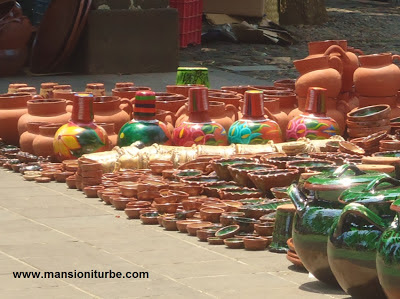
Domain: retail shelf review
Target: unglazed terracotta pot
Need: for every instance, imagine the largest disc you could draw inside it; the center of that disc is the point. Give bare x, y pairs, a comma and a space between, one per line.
273, 110
13, 87
226, 98
182, 89
287, 99
12, 107
324, 72
97, 89
43, 143
337, 47
112, 136
377, 76
199, 129
44, 110
26, 138
167, 117
144, 126
80, 135
254, 128
112, 109
170, 101
128, 92
220, 113
313, 124
46, 89
238, 89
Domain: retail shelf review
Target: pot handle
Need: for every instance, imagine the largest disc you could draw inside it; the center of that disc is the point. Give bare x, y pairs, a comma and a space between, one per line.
342, 169
360, 211
355, 51
336, 63
395, 56
230, 107
298, 198
338, 49
269, 114
128, 104
372, 186
173, 117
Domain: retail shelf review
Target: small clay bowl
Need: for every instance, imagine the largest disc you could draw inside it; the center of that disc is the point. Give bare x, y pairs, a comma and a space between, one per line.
369, 113
31, 177
350, 148
279, 161
190, 205
246, 224
221, 205
265, 180
170, 223
91, 191
220, 166
215, 241
211, 214
302, 166
133, 213
234, 243
255, 243
227, 231
238, 194
200, 180
182, 224
43, 179
159, 167
191, 190
120, 202
192, 228
264, 229
149, 218
166, 207
61, 177
204, 234
227, 218
71, 182
128, 189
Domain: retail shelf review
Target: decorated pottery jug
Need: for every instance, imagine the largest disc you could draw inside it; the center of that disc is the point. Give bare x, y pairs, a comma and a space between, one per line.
144, 126
254, 128
313, 124
377, 76
112, 109
80, 135
315, 215
44, 110
199, 128
352, 242
388, 257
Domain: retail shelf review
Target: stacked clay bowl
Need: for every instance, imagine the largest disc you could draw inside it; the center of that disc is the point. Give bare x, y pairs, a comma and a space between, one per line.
365, 121
374, 142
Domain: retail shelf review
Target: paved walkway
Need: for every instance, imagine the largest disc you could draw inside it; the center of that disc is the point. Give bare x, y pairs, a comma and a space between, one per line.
47, 227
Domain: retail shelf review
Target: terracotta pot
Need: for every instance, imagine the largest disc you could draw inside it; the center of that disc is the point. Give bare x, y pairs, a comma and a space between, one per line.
13, 87
168, 118
26, 138
226, 98
286, 83
324, 72
112, 109
97, 89
12, 107
128, 92
43, 143
48, 110
377, 76
112, 136
287, 99
46, 89
273, 110
335, 47
182, 89
28, 89
170, 101
124, 84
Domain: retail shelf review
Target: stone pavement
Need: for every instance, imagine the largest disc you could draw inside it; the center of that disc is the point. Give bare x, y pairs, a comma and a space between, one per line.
47, 227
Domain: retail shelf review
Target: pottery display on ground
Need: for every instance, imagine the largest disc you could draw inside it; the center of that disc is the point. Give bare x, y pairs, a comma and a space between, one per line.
80, 135
112, 109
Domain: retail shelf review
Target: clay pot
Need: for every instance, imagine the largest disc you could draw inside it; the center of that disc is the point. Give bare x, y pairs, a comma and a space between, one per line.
128, 92
168, 118
182, 224
226, 98
97, 89
377, 76
26, 138
192, 228
91, 191
264, 229
112, 136
169, 101
324, 72
286, 83
371, 101
272, 107
46, 89
111, 109
204, 234
169, 223
43, 144
48, 110
287, 99
182, 89
12, 107
256, 243
61, 177
211, 214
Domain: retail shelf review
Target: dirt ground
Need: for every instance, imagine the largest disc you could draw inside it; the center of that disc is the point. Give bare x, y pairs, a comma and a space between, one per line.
372, 26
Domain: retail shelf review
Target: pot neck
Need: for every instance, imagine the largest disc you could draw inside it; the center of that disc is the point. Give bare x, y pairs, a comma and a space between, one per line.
199, 117
106, 104
82, 109
375, 60
304, 66
46, 107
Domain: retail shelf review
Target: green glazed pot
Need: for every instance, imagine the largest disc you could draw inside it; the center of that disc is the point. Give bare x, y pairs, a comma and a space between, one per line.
352, 247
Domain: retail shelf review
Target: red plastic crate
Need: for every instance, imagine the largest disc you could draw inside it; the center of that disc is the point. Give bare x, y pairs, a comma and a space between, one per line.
191, 38
187, 8
190, 24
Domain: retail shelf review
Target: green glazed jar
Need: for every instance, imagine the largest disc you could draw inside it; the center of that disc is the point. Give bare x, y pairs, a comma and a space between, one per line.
192, 75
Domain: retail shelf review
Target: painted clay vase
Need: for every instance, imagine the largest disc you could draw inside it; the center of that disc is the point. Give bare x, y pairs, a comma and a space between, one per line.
46, 89
352, 243
377, 76
43, 143
219, 112
112, 136
324, 72
97, 89
170, 101
112, 109
313, 124
348, 56
44, 110
13, 87
336, 109
388, 257
128, 92
192, 75
144, 126
80, 135
199, 129
12, 107
254, 128
26, 138
274, 112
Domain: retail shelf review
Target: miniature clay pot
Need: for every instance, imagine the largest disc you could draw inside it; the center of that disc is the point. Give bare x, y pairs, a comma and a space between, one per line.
204, 234
149, 218
192, 228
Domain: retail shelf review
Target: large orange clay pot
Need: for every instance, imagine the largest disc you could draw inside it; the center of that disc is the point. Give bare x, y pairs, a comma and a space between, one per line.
170, 101
324, 72
43, 143
377, 76
12, 107
112, 109
48, 110
26, 139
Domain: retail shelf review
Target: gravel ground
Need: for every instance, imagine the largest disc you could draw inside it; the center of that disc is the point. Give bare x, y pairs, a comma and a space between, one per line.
371, 26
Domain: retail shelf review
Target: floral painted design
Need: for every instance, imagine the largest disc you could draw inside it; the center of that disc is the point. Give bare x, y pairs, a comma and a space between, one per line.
189, 134
253, 132
310, 127
72, 141
148, 132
